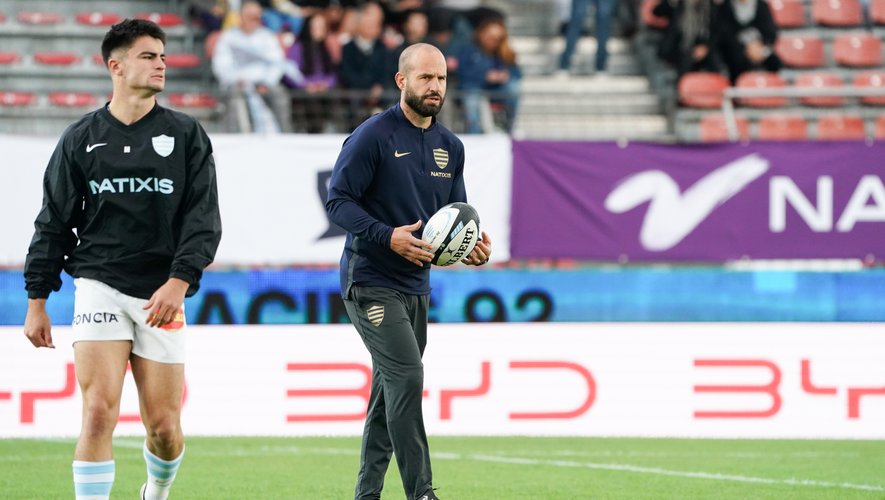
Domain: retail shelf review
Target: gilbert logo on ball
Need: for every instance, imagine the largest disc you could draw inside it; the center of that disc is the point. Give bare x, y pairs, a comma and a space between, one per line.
452, 231
176, 323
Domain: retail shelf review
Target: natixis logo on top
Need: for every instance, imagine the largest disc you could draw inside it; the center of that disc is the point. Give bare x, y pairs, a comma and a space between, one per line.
673, 214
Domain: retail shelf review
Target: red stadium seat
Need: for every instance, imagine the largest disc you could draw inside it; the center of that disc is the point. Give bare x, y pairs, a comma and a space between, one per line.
17, 98
713, 128
193, 100
788, 13
2, 18
818, 81
877, 11
183, 60
838, 13
57, 58
801, 51
880, 127
648, 18
778, 127
702, 90
761, 80
840, 127
9, 58
72, 99
98, 59
871, 79
164, 19
857, 50
39, 18
98, 18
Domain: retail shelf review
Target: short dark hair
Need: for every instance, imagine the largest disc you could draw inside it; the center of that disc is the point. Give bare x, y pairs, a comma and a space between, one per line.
126, 32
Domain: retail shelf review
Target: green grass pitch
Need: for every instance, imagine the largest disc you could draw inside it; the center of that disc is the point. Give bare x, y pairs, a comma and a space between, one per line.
472, 468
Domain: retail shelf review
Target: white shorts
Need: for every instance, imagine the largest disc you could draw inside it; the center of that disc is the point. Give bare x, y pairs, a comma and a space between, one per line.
103, 313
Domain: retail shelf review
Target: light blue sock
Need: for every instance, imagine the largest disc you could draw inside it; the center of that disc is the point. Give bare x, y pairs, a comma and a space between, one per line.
93, 480
161, 473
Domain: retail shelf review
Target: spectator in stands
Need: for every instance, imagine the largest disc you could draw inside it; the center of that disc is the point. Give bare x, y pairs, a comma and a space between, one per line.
414, 30
604, 10
364, 60
209, 14
310, 54
487, 73
746, 34
249, 63
439, 34
687, 42
281, 15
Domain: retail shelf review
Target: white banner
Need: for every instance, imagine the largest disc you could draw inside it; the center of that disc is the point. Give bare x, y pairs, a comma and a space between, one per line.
269, 190
683, 380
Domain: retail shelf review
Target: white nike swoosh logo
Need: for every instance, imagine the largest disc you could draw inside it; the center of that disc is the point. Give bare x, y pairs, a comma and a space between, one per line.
399, 155
90, 147
672, 215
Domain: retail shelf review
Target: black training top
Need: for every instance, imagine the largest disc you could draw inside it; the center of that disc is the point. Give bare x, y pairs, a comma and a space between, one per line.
127, 205
391, 173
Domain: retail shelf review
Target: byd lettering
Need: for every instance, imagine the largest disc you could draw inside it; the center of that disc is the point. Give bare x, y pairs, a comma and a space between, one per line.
771, 389
132, 185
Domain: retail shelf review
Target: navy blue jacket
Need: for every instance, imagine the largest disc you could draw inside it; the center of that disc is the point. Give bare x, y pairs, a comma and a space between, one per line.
391, 173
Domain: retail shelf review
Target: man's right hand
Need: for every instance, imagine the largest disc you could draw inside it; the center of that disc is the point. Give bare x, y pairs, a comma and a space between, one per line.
38, 325
409, 247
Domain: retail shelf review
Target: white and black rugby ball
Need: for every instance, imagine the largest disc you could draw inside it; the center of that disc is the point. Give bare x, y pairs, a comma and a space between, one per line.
453, 231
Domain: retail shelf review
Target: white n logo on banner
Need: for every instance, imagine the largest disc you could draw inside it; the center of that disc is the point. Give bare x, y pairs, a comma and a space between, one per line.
673, 215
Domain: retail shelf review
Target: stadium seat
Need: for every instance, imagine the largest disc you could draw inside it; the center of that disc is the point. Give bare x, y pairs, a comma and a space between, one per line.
17, 98
818, 81
98, 18
877, 11
193, 100
778, 127
39, 18
840, 127
72, 99
880, 127
648, 18
713, 128
857, 50
761, 80
801, 51
182, 60
702, 90
788, 13
164, 19
9, 58
56, 58
837, 13
871, 79
2, 18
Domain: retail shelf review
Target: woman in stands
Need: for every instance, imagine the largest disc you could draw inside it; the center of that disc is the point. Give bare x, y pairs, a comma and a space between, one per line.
746, 34
687, 43
311, 54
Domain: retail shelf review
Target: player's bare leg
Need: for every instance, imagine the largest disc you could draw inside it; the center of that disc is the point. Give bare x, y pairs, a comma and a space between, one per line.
100, 368
160, 389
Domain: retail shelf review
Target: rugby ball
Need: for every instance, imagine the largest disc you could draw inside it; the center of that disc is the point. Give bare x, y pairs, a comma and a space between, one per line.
453, 231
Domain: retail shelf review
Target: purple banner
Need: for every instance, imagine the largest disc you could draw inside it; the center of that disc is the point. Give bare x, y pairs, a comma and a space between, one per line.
650, 202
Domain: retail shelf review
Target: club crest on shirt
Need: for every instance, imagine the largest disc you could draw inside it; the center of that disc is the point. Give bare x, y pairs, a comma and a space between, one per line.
375, 314
163, 145
441, 156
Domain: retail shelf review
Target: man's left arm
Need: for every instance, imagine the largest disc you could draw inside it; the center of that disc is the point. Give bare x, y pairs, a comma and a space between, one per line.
483, 249
199, 235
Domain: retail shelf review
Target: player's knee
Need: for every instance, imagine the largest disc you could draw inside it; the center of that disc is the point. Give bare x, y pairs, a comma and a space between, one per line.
163, 430
412, 378
99, 417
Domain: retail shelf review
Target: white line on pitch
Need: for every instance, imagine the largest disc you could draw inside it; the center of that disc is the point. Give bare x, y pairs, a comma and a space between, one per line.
673, 473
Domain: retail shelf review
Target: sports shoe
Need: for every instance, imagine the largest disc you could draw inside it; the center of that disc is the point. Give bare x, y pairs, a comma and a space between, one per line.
429, 496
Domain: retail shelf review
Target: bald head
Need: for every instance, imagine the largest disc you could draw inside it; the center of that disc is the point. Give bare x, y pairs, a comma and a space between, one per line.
419, 54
